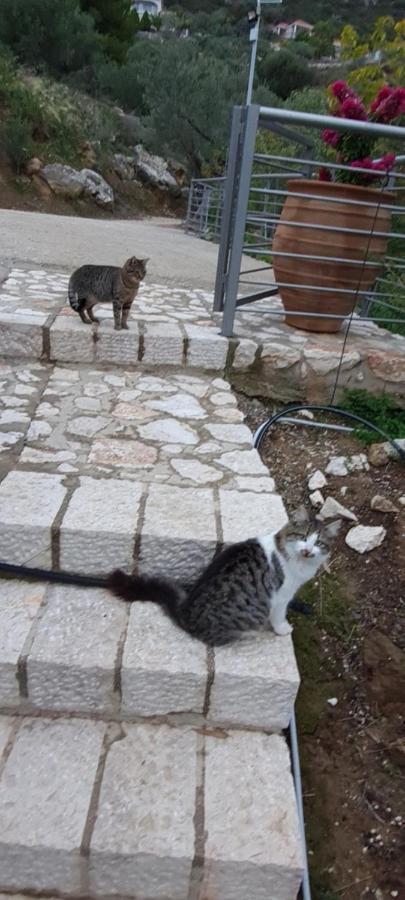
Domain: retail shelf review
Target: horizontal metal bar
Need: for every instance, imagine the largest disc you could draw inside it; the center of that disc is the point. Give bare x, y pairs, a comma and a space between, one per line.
278, 114
316, 163
287, 420
339, 259
346, 200
251, 298
385, 234
359, 320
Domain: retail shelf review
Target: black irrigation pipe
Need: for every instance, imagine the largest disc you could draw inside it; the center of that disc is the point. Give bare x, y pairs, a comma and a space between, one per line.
295, 757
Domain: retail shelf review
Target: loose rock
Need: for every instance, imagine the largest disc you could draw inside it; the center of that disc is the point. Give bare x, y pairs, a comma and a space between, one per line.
337, 465
317, 481
332, 509
364, 538
383, 504
316, 499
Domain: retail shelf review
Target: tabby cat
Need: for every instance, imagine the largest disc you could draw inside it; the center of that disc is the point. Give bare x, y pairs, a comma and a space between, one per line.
106, 284
244, 588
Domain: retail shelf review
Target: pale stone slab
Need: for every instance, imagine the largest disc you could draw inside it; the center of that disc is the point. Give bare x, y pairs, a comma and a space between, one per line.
163, 669
19, 604
180, 405
232, 434
247, 514
243, 462
72, 660
98, 529
117, 347
252, 848
45, 792
179, 530
21, 337
71, 340
256, 682
163, 345
143, 840
245, 354
29, 502
206, 348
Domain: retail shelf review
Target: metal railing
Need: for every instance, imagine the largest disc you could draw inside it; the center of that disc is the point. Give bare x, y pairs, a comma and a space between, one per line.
248, 204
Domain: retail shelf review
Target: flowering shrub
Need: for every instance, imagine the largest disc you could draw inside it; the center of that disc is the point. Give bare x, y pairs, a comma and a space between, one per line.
355, 150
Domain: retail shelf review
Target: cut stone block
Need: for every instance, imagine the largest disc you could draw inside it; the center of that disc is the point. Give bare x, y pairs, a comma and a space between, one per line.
163, 670
143, 840
21, 336
256, 683
252, 848
98, 529
72, 661
248, 514
179, 531
45, 791
71, 340
29, 502
119, 347
19, 604
163, 345
206, 348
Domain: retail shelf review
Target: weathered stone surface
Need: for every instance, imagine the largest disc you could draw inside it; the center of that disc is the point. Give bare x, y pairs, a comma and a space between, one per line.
383, 504
317, 481
69, 182
249, 784
337, 465
182, 406
125, 454
364, 538
281, 356
29, 502
193, 470
163, 669
124, 166
316, 499
98, 529
21, 338
6, 725
179, 531
386, 365
71, 340
87, 426
243, 462
333, 509
154, 170
143, 840
256, 683
117, 347
206, 349
377, 455
168, 430
71, 663
19, 604
245, 354
245, 515
259, 484
323, 360
232, 434
39, 847
163, 345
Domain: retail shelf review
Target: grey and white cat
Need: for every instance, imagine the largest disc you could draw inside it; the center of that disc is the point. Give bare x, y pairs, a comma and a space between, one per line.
106, 284
245, 588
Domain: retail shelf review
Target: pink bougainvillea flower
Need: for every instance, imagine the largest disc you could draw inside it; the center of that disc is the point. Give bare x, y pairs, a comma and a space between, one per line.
385, 164
341, 90
324, 174
365, 163
352, 108
391, 106
383, 93
330, 137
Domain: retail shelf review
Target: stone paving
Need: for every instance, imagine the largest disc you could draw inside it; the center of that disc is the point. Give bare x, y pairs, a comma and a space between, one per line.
134, 761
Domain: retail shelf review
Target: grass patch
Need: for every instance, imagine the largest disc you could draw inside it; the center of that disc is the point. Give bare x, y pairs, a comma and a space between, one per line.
379, 409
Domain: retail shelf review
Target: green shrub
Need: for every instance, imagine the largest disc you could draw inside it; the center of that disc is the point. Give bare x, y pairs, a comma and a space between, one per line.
16, 140
379, 409
284, 72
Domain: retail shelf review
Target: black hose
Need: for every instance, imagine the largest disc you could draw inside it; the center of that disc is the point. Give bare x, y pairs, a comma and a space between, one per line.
260, 433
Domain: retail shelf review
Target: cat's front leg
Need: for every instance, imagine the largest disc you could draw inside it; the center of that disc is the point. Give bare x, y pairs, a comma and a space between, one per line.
117, 314
126, 309
278, 619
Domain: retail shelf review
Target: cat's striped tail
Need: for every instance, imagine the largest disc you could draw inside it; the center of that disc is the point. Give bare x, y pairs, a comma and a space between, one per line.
74, 301
133, 588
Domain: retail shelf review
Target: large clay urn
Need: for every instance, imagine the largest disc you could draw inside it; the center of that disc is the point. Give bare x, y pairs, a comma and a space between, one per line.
314, 226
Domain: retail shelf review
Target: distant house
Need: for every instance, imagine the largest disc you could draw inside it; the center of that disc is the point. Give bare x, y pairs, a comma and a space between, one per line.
152, 7
288, 31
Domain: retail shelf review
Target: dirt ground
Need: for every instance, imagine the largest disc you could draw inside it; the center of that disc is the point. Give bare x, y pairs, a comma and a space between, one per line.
351, 650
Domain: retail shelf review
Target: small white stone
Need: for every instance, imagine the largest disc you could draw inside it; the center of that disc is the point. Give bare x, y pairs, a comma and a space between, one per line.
337, 465
38, 429
316, 499
332, 509
222, 399
196, 471
401, 500
306, 414
317, 481
364, 538
332, 701
358, 463
87, 426
383, 504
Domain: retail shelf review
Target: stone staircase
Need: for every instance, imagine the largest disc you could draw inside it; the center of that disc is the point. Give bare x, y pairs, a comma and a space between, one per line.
134, 762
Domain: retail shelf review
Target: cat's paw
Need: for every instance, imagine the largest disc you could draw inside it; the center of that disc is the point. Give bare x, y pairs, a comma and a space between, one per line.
126, 327
117, 327
283, 629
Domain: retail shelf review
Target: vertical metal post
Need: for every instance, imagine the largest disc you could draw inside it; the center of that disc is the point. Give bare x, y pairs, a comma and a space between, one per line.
251, 114
254, 37
228, 206
189, 205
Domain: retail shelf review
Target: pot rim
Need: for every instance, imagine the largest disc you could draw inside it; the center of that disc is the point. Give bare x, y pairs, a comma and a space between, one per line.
336, 187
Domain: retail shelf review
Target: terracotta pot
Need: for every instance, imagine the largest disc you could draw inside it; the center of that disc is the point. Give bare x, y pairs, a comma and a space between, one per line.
308, 238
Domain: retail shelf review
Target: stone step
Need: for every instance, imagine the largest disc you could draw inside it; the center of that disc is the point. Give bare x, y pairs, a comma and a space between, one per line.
95, 810
104, 470
81, 651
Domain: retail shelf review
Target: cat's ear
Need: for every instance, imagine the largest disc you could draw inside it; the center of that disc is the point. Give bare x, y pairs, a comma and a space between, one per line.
281, 538
144, 261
